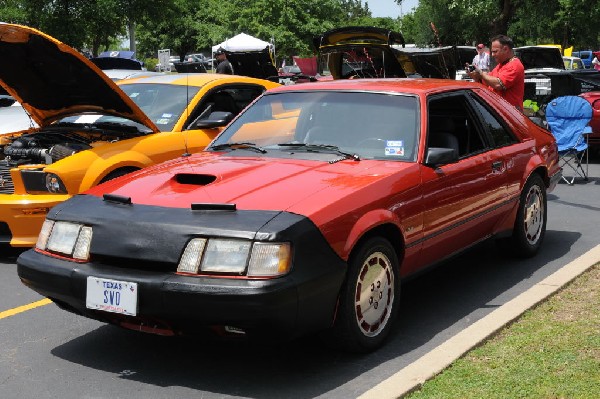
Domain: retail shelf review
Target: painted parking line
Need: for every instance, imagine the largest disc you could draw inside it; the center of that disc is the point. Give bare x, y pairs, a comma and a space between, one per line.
24, 308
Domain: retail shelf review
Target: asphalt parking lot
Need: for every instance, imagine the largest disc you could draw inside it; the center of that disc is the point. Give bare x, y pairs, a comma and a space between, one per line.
48, 353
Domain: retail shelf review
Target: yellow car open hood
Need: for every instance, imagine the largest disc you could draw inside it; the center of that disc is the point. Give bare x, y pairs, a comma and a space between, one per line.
52, 80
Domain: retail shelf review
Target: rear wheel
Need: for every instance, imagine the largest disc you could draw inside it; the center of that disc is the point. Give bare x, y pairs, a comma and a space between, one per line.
369, 298
530, 224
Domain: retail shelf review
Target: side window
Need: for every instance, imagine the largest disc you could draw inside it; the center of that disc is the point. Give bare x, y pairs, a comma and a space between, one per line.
501, 137
231, 99
452, 125
245, 95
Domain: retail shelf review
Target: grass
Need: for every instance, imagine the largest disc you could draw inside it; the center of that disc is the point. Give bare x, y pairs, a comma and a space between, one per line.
551, 352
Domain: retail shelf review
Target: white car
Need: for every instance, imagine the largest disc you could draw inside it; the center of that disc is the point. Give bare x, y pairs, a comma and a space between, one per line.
573, 62
14, 119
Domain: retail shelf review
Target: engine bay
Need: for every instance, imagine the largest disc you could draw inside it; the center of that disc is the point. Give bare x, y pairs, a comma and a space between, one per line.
52, 144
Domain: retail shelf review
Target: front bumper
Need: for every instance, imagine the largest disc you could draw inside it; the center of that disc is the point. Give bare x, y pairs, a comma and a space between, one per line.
554, 179
147, 249
24, 215
301, 302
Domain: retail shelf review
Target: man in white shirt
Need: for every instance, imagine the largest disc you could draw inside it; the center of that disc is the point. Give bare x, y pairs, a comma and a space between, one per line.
482, 59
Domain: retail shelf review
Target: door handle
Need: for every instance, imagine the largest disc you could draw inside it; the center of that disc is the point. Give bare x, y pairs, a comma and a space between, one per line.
497, 165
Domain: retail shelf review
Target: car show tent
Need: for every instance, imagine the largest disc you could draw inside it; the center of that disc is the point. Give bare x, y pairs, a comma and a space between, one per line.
243, 43
249, 56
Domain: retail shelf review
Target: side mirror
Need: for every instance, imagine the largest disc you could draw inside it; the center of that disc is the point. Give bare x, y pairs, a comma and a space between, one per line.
214, 120
440, 156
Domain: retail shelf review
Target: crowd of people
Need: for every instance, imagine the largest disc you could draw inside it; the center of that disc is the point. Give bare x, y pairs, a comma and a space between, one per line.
507, 78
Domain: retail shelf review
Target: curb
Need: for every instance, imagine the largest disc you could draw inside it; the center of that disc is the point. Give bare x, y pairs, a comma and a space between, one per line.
429, 365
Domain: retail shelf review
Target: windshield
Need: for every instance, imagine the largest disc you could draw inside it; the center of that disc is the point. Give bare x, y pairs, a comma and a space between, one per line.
370, 125
163, 104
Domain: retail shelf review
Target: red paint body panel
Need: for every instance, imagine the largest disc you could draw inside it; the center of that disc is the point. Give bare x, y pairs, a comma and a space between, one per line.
593, 97
437, 211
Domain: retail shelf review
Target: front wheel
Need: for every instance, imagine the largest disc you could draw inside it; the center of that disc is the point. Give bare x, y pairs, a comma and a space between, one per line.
369, 297
530, 223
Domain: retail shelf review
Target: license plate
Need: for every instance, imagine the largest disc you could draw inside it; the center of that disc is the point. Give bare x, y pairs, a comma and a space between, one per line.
111, 296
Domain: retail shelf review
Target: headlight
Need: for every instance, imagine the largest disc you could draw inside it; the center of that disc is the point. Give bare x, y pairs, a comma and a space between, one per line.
239, 257
269, 259
70, 239
225, 256
42, 240
190, 260
54, 184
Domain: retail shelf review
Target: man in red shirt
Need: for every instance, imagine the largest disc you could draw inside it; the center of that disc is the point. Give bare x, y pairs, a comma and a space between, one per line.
508, 77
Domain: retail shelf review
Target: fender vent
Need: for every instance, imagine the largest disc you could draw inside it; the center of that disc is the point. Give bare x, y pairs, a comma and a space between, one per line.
6, 183
195, 179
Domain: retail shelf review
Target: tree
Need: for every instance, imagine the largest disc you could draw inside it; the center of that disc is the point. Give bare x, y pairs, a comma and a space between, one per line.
134, 11
12, 11
104, 23
567, 22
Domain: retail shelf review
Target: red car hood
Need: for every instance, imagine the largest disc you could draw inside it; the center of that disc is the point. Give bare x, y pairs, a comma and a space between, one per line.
252, 183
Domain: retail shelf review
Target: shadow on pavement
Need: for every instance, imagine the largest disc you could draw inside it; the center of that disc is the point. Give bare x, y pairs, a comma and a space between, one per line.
434, 307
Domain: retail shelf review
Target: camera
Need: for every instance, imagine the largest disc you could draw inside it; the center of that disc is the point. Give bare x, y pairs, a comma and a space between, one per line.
470, 67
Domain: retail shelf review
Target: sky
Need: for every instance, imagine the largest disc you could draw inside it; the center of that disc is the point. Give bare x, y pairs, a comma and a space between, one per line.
389, 8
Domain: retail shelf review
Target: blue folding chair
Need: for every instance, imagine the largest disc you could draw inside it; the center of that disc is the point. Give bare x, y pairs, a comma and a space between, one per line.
568, 119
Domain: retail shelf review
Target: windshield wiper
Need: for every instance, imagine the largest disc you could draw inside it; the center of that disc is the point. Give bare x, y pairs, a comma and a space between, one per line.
320, 148
240, 145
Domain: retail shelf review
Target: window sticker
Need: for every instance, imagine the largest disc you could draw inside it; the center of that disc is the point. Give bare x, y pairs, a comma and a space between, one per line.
167, 116
162, 121
394, 148
134, 95
394, 143
394, 151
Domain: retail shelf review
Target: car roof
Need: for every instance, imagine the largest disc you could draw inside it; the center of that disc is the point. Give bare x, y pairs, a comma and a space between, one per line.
419, 86
196, 79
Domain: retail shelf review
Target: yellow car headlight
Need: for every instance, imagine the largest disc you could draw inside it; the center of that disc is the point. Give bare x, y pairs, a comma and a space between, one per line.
54, 184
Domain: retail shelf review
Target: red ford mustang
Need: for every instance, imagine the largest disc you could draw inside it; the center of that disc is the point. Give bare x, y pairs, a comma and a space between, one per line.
305, 214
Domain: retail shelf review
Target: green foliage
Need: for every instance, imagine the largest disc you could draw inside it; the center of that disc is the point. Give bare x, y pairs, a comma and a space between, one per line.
566, 22
551, 352
12, 11
194, 25
150, 63
291, 25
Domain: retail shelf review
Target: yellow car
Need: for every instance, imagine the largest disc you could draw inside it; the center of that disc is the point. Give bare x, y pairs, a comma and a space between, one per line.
91, 130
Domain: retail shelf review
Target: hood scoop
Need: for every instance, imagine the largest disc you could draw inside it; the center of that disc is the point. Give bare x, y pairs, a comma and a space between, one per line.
194, 179
204, 206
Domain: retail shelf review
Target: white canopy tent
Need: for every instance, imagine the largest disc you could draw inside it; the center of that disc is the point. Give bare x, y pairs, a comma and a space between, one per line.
243, 42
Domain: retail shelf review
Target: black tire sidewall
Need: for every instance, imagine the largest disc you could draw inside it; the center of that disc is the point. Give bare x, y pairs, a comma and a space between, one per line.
116, 173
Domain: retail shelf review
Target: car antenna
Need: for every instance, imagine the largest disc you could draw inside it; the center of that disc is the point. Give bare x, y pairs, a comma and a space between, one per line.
187, 114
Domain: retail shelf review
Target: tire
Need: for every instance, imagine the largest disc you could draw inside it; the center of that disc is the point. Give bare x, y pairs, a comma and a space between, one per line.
530, 223
117, 173
369, 298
